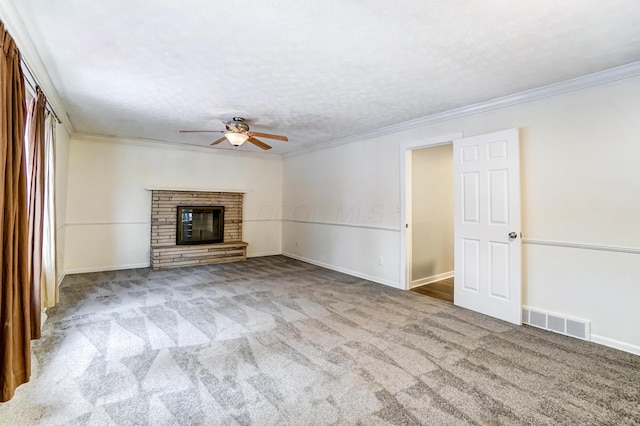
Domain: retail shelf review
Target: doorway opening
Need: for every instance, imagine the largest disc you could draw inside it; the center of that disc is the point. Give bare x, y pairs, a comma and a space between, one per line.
431, 254
408, 277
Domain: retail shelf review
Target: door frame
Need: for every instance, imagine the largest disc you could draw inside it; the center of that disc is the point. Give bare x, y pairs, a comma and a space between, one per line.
406, 201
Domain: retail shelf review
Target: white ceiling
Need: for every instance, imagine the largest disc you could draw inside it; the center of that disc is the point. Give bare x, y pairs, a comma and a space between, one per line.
314, 71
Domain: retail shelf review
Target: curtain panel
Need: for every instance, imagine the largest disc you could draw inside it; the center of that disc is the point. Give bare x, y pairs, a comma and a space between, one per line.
15, 292
48, 280
35, 175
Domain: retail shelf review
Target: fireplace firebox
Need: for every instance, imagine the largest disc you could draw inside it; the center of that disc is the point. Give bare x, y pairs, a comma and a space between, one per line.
200, 225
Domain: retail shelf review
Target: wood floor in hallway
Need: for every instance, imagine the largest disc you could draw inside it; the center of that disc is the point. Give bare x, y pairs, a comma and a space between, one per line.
442, 290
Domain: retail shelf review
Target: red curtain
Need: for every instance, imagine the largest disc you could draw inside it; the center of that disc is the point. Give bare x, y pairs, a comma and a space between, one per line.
15, 293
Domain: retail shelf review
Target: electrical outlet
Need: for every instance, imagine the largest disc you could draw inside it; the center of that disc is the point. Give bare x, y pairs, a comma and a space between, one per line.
380, 260
297, 244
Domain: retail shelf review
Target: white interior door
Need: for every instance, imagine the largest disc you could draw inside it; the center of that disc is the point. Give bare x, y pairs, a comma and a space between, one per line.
488, 244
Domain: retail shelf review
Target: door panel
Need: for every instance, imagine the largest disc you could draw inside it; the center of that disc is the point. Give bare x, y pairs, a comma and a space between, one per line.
471, 261
499, 201
499, 272
471, 199
487, 208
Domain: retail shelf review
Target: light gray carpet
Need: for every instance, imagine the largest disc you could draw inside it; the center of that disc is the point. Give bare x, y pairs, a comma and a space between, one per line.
277, 341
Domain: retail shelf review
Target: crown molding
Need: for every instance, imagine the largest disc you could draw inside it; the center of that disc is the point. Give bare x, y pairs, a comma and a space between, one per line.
160, 144
18, 30
584, 82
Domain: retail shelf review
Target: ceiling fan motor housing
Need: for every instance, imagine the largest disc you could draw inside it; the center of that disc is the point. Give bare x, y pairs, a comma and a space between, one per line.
237, 125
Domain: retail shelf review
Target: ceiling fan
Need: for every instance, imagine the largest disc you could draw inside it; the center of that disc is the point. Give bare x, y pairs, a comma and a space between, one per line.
238, 133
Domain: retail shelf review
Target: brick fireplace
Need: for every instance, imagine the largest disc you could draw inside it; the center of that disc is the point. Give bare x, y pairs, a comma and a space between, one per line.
166, 253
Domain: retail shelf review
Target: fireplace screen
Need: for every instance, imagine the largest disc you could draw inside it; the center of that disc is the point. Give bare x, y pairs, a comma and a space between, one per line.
200, 224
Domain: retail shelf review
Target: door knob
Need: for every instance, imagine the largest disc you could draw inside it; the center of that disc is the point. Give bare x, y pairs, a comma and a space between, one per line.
513, 235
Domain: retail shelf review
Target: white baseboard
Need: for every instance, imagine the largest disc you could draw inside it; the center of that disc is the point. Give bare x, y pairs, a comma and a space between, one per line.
106, 268
616, 344
61, 278
345, 271
431, 279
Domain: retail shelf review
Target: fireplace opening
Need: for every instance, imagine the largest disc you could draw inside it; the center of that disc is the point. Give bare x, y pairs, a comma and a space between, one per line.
200, 225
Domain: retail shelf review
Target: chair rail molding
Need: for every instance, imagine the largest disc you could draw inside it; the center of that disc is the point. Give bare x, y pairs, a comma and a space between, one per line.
581, 246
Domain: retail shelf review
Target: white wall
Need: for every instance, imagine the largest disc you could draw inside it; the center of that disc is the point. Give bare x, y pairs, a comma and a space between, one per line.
580, 184
432, 213
341, 209
108, 210
62, 141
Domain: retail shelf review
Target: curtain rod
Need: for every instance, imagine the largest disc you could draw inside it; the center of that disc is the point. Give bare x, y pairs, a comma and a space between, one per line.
49, 107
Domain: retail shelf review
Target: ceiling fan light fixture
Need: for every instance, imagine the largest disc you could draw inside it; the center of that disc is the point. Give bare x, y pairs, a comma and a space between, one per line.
236, 139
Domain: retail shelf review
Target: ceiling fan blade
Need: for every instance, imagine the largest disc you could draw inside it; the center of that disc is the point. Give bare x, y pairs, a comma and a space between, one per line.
258, 143
201, 131
267, 135
219, 141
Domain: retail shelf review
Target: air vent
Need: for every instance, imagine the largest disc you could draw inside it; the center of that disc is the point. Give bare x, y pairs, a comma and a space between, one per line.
557, 323
577, 329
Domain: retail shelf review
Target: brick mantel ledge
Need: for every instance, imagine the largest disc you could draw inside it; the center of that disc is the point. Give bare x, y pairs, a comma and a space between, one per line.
237, 191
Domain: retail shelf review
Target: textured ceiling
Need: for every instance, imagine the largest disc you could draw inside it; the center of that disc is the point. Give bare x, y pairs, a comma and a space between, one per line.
314, 71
